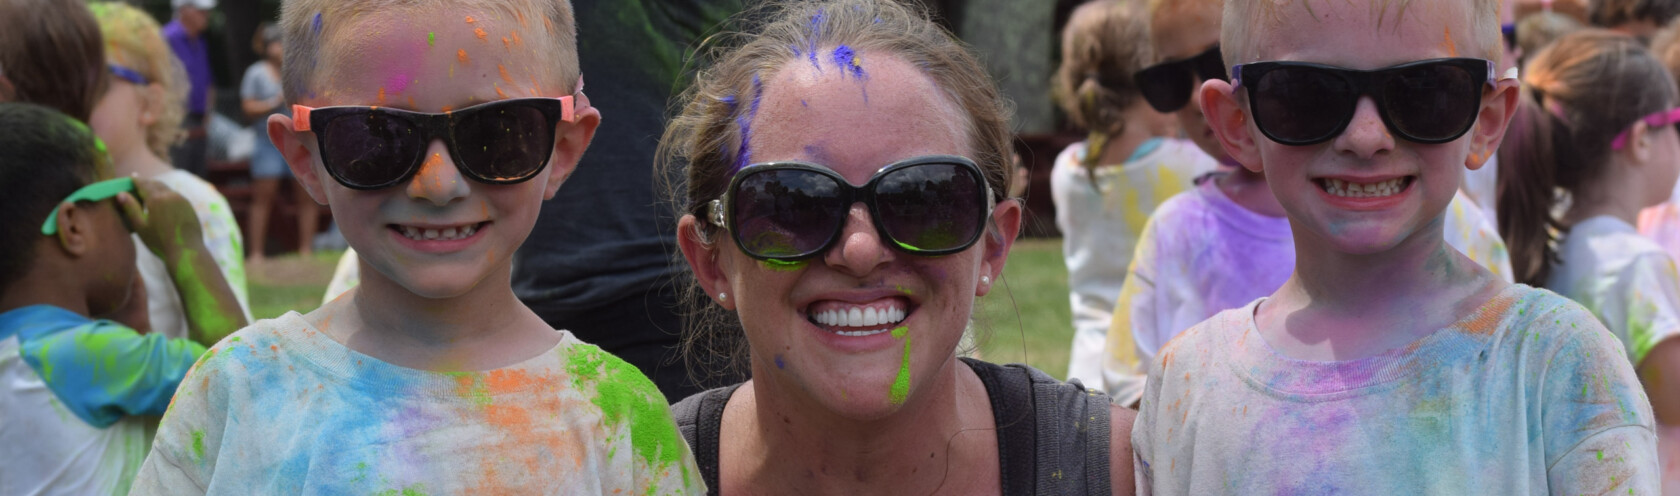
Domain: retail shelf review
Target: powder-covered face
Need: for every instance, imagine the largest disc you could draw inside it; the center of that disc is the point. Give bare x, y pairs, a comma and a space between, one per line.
435, 61
1348, 35
853, 112
1180, 33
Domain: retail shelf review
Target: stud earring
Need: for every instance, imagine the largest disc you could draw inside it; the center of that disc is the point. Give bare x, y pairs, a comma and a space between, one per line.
987, 280
723, 296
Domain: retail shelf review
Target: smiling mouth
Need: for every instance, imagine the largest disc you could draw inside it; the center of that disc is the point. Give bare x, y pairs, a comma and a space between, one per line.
451, 233
853, 320
1350, 189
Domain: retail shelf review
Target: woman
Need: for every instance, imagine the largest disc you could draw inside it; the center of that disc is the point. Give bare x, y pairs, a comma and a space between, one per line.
852, 299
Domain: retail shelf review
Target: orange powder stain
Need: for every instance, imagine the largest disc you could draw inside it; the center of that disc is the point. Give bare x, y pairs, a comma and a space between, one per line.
507, 417
516, 39
1488, 317
448, 108
1479, 157
429, 169
549, 25
507, 44
470, 20
479, 32
460, 55
1448, 44
411, 102
521, 16
503, 69
499, 93
535, 88
506, 381
381, 97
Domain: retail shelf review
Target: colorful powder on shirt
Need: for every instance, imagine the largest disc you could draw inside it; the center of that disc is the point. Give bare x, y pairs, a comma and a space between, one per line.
901, 385
198, 444
625, 395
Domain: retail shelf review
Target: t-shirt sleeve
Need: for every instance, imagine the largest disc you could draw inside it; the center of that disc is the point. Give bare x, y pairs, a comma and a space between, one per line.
1653, 305
1597, 420
188, 441
250, 86
104, 371
1129, 343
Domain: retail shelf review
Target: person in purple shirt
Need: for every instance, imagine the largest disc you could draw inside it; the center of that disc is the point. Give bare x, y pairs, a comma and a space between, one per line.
186, 38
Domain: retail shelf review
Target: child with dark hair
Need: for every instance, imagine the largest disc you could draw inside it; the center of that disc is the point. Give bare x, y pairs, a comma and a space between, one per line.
1597, 122
75, 392
55, 59
1637, 18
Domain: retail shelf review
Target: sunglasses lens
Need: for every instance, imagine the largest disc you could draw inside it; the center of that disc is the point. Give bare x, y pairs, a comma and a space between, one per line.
504, 143
371, 149
931, 207
1300, 105
1432, 103
787, 213
1166, 87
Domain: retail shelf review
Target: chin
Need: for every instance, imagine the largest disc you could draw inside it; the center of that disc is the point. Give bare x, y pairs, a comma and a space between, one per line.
439, 283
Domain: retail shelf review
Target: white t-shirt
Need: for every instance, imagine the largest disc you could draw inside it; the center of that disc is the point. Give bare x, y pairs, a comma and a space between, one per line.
1515, 399
282, 408
221, 238
1202, 254
1628, 281
1100, 224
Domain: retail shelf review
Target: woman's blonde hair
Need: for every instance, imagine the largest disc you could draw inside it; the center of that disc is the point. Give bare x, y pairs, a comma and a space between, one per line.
133, 40
707, 141
1104, 44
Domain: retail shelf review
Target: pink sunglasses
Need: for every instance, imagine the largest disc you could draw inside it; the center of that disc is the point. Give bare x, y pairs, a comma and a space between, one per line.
1658, 119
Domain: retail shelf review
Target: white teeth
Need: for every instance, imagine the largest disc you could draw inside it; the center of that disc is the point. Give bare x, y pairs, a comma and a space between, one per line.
854, 318
1342, 188
446, 234
859, 317
869, 317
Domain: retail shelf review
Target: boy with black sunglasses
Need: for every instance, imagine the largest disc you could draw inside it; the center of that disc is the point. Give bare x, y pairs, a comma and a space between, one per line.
1226, 242
1388, 363
79, 396
434, 143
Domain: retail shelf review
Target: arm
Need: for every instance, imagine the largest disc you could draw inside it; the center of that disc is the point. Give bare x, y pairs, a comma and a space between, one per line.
1128, 340
102, 371
170, 228
1121, 473
1597, 426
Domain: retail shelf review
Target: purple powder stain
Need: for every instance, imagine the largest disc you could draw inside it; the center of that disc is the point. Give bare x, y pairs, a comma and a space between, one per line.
816, 35
802, 103
743, 156
779, 363
846, 58
315, 24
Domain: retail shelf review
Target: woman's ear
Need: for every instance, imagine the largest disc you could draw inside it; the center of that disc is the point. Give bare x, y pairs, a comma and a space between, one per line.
702, 256
299, 157
570, 141
1229, 121
1495, 116
1006, 225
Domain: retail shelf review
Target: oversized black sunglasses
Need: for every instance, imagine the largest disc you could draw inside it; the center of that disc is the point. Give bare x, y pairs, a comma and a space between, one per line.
1167, 85
791, 211
1428, 101
500, 142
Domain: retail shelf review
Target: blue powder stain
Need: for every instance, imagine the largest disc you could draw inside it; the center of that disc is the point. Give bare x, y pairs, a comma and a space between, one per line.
315, 24
846, 58
730, 101
802, 103
816, 35
743, 157
779, 363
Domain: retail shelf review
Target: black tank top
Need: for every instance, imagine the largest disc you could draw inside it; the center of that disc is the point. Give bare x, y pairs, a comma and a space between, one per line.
1052, 435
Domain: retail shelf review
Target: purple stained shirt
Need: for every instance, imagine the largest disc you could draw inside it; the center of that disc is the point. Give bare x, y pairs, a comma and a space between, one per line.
196, 58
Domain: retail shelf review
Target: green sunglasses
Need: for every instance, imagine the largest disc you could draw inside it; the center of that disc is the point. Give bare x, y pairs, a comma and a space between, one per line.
100, 191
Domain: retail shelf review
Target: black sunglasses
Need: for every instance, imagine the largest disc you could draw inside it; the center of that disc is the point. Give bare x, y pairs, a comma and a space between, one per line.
1428, 101
1167, 85
790, 211
500, 142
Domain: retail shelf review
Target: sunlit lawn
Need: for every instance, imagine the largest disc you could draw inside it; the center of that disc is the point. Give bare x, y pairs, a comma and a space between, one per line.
1025, 319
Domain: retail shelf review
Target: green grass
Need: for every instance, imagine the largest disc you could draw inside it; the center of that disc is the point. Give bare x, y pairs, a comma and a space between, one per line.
1025, 319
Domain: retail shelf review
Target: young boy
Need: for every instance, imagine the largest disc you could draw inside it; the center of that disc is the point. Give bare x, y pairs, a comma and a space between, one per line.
1388, 363
1226, 242
79, 397
434, 143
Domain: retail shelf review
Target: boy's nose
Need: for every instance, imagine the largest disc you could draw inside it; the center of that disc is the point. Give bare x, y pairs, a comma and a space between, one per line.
438, 181
1366, 135
860, 248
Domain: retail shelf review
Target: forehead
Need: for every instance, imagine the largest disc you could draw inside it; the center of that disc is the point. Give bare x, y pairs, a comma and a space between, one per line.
1366, 36
857, 120
435, 57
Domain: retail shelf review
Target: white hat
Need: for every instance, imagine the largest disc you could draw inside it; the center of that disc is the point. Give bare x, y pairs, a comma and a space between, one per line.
197, 4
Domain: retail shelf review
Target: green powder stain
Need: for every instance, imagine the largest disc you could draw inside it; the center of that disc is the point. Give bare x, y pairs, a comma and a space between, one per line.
478, 392
414, 490
431, 39
235, 339
624, 394
198, 445
906, 291
782, 265
206, 314
901, 385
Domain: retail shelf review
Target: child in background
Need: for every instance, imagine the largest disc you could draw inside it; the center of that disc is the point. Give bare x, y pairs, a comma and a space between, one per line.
1638, 18
1661, 223
1598, 123
1105, 187
78, 396
435, 144
55, 59
1388, 363
1227, 242
259, 96
139, 118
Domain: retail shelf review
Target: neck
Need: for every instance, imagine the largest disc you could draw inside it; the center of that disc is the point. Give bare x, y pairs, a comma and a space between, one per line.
798, 443
1250, 191
136, 159
44, 285
485, 328
1613, 194
1122, 146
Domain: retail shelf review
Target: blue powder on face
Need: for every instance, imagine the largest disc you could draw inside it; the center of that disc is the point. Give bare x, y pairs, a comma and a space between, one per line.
847, 60
816, 34
779, 363
315, 25
743, 157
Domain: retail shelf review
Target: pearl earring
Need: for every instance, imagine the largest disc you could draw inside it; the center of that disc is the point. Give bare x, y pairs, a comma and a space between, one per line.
987, 280
723, 296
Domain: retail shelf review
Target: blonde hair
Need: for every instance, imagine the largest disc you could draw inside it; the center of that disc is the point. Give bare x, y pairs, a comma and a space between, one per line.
1242, 17
1104, 44
706, 139
307, 22
1666, 47
1539, 29
133, 40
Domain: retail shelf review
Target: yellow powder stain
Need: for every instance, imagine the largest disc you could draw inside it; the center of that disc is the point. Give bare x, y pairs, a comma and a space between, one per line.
382, 96
503, 69
1448, 44
479, 32
459, 55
